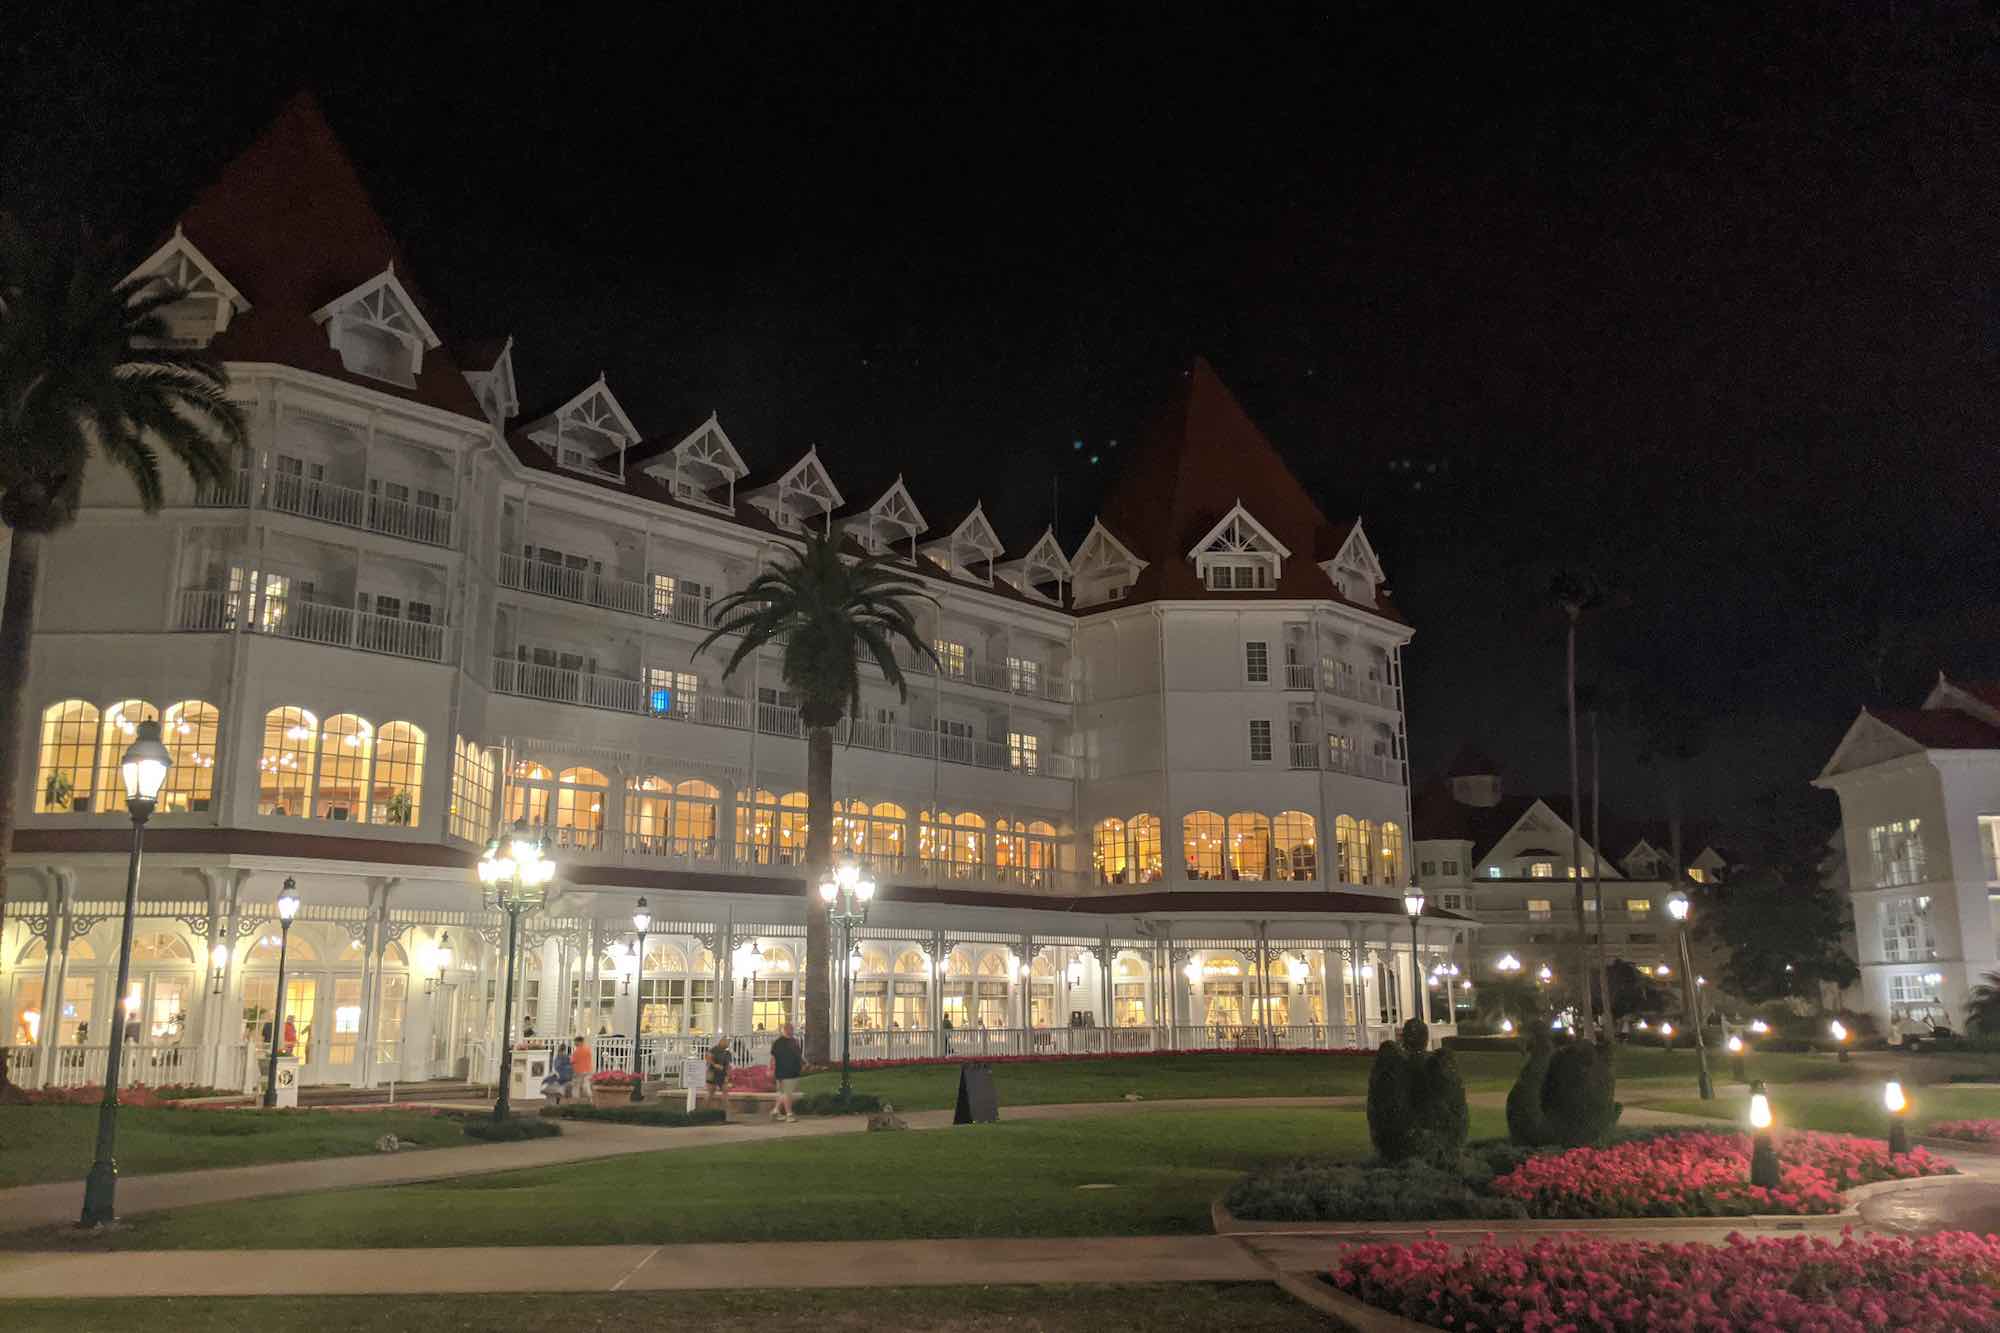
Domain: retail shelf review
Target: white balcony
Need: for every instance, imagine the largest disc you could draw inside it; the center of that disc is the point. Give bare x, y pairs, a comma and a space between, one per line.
350, 508
1304, 755
1350, 686
1298, 676
1033, 682
206, 610
628, 596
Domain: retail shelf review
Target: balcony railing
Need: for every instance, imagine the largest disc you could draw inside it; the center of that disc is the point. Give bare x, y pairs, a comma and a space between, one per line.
207, 610
329, 502
1349, 686
1304, 755
629, 596
1298, 676
623, 694
1032, 682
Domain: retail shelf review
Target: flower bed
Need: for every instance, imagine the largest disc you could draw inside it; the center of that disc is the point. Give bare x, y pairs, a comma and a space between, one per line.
1972, 1131
752, 1078
921, 1061
1928, 1285
614, 1078
135, 1094
1706, 1175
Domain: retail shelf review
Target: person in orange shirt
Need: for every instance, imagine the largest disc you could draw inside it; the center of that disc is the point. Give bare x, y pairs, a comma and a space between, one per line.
582, 1063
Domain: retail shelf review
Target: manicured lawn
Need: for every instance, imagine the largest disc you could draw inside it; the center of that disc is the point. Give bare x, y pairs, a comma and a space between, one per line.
43, 1143
1010, 1179
1852, 1108
1248, 1307
1156, 1078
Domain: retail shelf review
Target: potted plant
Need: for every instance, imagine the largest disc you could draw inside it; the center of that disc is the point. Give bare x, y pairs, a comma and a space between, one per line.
58, 790
400, 807
611, 1087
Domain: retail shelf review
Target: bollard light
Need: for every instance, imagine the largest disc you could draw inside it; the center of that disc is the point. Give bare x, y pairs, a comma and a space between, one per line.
1763, 1156
1896, 1104
1507, 1025
1839, 1031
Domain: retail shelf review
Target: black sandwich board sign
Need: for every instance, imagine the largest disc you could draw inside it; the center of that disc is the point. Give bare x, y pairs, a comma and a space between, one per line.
978, 1103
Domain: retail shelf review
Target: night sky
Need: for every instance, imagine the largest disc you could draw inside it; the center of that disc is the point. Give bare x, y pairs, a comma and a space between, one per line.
1698, 300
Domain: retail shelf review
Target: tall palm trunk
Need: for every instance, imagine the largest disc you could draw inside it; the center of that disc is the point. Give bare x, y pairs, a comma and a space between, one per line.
1584, 1009
1597, 875
17, 619
820, 961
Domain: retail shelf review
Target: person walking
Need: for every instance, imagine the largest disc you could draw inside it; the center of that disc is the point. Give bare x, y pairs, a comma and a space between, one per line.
720, 1057
291, 1036
788, 1060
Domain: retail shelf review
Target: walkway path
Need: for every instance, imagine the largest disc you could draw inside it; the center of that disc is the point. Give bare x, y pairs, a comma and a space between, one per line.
28, 1207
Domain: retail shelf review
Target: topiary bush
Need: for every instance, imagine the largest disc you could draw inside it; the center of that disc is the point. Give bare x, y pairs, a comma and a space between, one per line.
1578, 1106
1389, 1122
1525, 1124
1416, 1101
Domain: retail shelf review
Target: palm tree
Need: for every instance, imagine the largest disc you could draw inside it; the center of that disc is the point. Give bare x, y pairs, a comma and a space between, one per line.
826, 612
1982, 1010
85, 368
1576, 593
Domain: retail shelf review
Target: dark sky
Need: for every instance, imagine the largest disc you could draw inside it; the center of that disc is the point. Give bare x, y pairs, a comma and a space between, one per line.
1698, 298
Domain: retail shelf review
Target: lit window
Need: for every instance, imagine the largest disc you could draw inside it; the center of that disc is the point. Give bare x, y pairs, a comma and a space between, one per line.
1540, 909
1024, 675
1109, 857
951, 658
190, 730
1697, 874
1638, 906
471, 791
1249, 845
1393, 871
1023, 751
398, 785
1147, 862
671, 693
1542, 870
1257, 662
1898, 851
1201, 843
1350, 853
66, 777
1260, 741
285, 767
1989, 846
1907, 935
1493, 872
1295, 846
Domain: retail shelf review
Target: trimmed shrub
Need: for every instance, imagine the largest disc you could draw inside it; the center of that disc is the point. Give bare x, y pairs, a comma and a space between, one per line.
1389, 1121
1416, 1036
512, 1129
1312, 1191
670, 1117
1525, 1125
1578, 1107
1441, 1119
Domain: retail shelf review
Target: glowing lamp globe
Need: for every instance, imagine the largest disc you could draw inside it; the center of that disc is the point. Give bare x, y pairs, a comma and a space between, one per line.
1893, 1100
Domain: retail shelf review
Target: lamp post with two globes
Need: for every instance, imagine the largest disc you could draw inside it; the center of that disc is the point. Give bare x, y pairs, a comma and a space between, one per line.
144, 771
846, 893
642, 921
1678, 908
516, 873
288, 910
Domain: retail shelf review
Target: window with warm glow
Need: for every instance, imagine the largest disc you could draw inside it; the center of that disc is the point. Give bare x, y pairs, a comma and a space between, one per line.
951, 658
580, 798
66, 774
190, 730
285, 768
1108, 854
399, 775
1249, 846
1201, 844
346, 748
120, 729
1295, 843
1394, 871
1147, 863
1542, 870
1364, 833
1350, 853
471, 791
1540, 909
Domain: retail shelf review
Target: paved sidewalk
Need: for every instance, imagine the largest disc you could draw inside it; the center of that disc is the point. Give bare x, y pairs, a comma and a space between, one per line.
629, 1267
28, 1207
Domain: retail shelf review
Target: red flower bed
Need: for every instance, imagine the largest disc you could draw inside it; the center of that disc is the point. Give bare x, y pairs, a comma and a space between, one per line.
614, 1078
752, 1078
1932, 1284
137, 1094
1706, 1175
1102, 1055
1973, 1131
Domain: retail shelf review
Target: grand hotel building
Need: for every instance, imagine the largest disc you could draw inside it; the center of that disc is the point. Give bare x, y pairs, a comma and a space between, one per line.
1155, 796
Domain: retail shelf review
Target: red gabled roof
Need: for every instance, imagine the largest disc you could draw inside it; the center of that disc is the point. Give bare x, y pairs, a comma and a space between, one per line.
1195, 461
290, 224
1940, 728
1986, 691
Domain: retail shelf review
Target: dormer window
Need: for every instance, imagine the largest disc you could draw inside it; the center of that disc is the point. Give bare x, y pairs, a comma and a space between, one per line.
1239, 554
970, 550
1105, 568
209, 303
1042, 573
1354, 571
892, 523
589, 434
378, 331
805, 491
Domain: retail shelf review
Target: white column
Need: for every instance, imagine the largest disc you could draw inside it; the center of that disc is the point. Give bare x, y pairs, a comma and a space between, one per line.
55, 966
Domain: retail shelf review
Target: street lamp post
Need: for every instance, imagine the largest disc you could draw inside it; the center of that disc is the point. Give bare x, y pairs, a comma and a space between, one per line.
1413, 903
846, 893
144, 770
642, 921
288, 908
517, 872
1678, 908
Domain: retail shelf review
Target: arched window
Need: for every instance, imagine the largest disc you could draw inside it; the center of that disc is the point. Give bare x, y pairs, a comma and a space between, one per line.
1147, 865
265, 952
1364, 841
190, 729
696, 812
933, 838
1128, 993
160, 946
885, 831
528, 789
471, 791
756, 823
993, 964
121, 726
1201, 841
664, 957
1041, 852
285, 769
850, 828
1010, 849
1109, 857
1295, 846
968, 847
1249, 845
346, 745
790, 847
649, 812
580, 796
66, 773
1392, 853
1348, 849
399, 775
910, 963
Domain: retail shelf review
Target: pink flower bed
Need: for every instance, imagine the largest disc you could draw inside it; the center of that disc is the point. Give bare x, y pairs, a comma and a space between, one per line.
752, 1078
1706, 1175
1929, 1284
136, 1094
1974, 1131
614, 1078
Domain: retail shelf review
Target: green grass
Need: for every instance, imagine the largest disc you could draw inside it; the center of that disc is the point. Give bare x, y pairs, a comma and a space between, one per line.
44, 1143
1164, 1077
1010, 1179
1847, 1108
1244, 1307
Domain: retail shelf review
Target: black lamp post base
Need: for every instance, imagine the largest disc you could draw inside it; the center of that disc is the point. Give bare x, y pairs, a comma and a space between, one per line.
1899, 1137
100, 1195
639, 1091
1764, 1163
1707, 1087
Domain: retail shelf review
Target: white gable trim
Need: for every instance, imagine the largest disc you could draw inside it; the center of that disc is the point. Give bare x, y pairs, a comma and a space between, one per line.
500, 377
387, 281
1044, 561
694, 448
1868, 741
611, 419
179, 247
1248, 537
912, 526
1099, 549
972, 530
1356, 553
